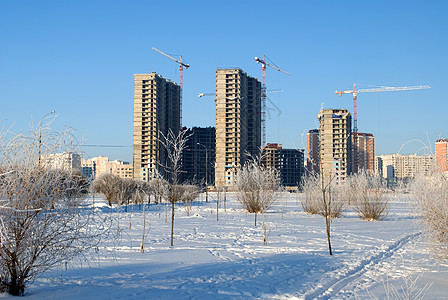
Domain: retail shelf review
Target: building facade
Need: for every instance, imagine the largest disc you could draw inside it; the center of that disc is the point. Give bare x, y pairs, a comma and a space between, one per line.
442, 155
271, 156
238, 122
68, 161
363, 152
291, 166
335, 144
288, 163
312, 151
156, 111
404, 167
198, 157
97, 166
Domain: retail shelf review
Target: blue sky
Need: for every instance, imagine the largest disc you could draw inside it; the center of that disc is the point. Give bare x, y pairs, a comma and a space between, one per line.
78, 58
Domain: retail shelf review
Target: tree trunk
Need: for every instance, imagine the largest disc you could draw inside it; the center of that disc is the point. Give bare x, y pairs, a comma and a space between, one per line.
327, 222
217, 209
255, 219
142, 246
172, 222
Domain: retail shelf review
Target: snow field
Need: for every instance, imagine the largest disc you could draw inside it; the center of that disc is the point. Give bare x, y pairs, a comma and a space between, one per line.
226, 259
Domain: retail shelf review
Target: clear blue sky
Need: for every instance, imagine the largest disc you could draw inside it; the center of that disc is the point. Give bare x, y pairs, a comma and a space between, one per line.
78, 58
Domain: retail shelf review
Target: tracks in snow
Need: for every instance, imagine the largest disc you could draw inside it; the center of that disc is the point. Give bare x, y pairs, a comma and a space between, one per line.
331, 288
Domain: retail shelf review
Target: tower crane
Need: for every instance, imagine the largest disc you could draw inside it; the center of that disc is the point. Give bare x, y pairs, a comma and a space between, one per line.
355, 92
182, 65
263, 92
373, 90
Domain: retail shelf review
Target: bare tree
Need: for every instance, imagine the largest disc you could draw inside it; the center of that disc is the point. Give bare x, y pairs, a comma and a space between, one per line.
258, 188
431, 193
188, 193
174, 145
311, 201
366, 193
40, 225
323, 196
220, 195
108, 185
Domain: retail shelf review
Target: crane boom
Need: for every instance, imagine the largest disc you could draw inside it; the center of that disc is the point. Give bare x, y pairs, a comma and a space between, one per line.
264, 62
186, 66
384, 89
374, 90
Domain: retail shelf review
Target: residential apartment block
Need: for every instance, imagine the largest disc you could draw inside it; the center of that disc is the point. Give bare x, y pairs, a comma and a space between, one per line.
288, 162
96, 166
335, 144
442, 155
363, 152
238, 122
68, 161
156, 111
312, 151
404, 167
198, 157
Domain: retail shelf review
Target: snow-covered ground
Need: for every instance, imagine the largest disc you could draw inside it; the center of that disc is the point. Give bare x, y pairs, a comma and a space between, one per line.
226, 259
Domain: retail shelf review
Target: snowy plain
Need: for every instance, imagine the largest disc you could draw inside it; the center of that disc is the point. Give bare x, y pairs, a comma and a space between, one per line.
226, 258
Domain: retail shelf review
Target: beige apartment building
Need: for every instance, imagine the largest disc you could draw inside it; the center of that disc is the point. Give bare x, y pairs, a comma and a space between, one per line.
96, 166
335, 144
398, 166
238, 122
156, 111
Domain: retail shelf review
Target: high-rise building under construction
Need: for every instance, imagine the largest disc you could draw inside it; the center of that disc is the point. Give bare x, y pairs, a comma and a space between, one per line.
335, 144
363, 152
238, 122
156, 111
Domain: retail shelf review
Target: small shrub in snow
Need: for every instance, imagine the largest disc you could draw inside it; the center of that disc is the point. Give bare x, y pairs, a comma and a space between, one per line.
366, 194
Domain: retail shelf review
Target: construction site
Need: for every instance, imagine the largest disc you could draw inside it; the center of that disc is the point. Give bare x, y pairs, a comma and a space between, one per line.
336, 148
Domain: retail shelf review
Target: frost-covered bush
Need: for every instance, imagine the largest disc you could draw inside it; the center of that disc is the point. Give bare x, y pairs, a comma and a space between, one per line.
311, 195
366, 194
40, 224
257, 187
431, 193
313, 202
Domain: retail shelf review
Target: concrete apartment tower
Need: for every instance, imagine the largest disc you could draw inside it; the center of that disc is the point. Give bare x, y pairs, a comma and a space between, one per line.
156, 109
442, 155
312, 151
335, 144
238, 122
363, 152
288, 163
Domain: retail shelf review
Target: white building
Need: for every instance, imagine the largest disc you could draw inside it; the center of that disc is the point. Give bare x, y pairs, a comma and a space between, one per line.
65, 161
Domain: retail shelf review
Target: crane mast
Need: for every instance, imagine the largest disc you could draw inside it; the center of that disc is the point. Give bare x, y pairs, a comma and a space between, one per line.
263, 94
182, 65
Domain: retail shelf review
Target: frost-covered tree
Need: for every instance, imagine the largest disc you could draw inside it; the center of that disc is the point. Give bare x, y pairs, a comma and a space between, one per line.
431, 193
365, 193
323, 196
174, 145
40, 223
258, 188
